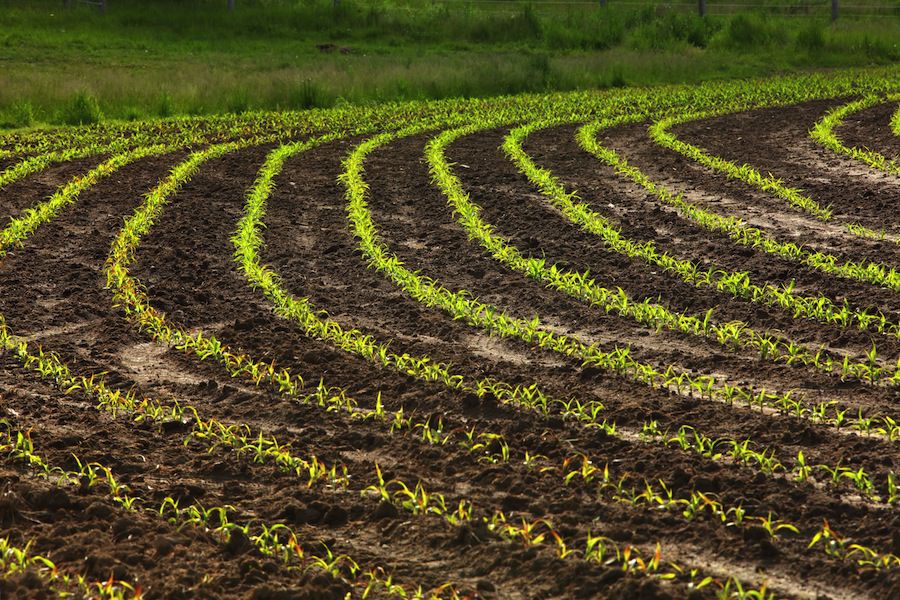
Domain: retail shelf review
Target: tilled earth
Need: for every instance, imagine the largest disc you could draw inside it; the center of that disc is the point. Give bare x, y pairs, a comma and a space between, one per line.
53, 293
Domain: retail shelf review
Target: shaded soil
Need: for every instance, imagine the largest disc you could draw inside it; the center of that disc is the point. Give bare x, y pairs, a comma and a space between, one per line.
24, 193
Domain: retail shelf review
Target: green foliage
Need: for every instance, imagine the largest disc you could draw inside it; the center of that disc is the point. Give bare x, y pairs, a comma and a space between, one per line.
522, 26
749, 31
811, 37
133, 113
22, 114
593, 31
674, 29
238, 101
309, 94
82, 109
196, 58
165, 105
879, 49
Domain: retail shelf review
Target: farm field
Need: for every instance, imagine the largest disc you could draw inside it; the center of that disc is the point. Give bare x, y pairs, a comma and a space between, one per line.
634, 343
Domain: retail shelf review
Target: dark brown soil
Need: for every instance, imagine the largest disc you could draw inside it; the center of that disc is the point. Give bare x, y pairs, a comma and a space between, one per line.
52, 291
871, 128
775, 141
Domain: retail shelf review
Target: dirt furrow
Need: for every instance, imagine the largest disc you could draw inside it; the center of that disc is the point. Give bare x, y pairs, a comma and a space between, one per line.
533, 226
767, 140
52, 293
682, 176
871, 128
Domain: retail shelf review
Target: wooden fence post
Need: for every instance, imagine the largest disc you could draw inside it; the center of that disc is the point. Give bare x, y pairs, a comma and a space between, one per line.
701, 7
834, 10
230, 5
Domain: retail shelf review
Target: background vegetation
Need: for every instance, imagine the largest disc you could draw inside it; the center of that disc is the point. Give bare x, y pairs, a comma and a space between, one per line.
160, 58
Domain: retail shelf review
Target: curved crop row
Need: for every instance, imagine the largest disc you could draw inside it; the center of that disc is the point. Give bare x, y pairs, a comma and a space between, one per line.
659, 132
823, 132
651, 315
736, 284
864, 271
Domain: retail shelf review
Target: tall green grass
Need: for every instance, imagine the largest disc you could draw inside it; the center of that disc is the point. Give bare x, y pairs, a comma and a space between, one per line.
64, 66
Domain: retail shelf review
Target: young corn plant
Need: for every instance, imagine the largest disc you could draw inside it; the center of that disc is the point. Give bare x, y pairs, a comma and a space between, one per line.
462, 306
866, 272
823, 132
580, 286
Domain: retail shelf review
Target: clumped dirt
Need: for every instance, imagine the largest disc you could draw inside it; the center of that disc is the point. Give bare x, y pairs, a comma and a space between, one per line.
53, 293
